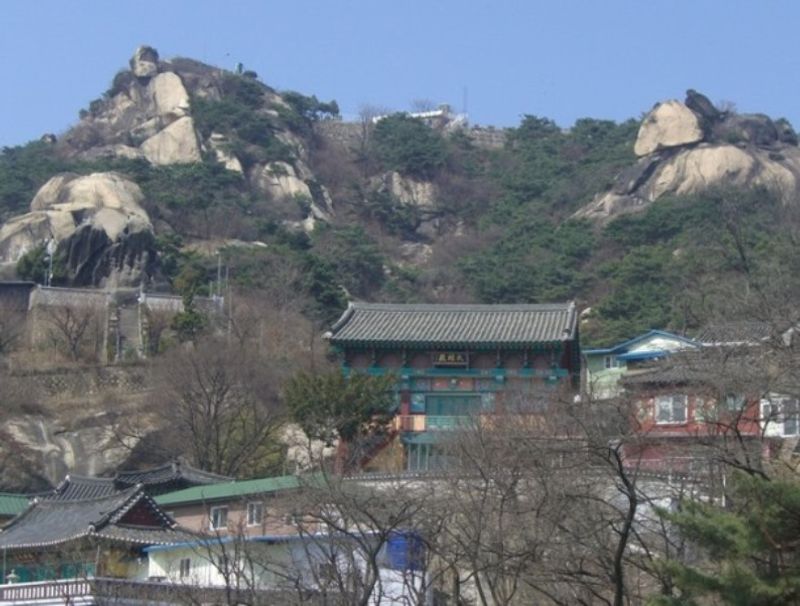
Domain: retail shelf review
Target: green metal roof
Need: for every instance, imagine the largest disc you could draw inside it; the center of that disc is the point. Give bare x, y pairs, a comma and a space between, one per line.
228, 490
12, 504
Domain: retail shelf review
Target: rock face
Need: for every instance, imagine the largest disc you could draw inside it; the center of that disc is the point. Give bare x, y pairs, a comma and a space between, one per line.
169, 95
144, 62
67, 427
669, 124
410, 191
176, 144
418, 194
279, 180
103, 235
282, 183
685, 154
218, 142
146, 114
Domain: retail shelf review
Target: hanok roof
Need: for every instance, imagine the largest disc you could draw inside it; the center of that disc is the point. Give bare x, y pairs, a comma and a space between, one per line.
76, 488
720, 371
229, 490
454, 325
735, 333
168, 477
169, 474
129, 516
12, 504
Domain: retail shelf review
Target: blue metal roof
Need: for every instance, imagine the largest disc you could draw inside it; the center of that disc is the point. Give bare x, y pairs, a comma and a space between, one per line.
623, 347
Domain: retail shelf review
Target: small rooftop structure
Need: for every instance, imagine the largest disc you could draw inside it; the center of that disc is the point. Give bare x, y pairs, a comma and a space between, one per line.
423, 326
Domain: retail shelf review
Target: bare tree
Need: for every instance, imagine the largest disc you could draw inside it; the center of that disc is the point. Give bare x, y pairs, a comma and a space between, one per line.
217, 403
76, 330
12, 328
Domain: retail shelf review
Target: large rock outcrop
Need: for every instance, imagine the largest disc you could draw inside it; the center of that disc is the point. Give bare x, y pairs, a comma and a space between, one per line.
145, 114
686, 148
102, 234
669, 124
144, 62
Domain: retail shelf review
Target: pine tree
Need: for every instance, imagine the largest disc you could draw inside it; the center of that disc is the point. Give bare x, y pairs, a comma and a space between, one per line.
749, 551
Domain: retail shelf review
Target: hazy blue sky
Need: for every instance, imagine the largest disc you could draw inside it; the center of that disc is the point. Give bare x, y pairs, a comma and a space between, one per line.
560, 59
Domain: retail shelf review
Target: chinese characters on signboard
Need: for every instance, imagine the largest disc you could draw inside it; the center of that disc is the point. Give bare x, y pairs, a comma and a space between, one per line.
450, 358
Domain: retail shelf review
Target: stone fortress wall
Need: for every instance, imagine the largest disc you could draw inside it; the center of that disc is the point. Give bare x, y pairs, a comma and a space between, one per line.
351, 134
122, 313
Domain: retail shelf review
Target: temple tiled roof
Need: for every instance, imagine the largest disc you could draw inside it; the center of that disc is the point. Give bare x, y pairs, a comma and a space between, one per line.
711, 368
53, 522
175, 471
165, 478
454, 325
733, 333
76, 488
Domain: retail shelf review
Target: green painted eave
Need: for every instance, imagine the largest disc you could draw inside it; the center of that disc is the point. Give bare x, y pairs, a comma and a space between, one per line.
231, 490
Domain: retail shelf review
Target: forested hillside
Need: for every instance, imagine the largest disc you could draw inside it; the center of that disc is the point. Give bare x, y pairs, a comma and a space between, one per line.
405, 210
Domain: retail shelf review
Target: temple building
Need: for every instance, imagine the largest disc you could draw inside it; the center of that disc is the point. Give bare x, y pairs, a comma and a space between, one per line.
456, 362
99, 536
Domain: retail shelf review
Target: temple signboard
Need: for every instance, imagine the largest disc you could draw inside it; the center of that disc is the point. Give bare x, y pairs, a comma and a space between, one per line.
453, 359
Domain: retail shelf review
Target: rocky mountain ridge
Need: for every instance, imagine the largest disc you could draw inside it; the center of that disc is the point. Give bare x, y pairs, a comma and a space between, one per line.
181, 169
685, 148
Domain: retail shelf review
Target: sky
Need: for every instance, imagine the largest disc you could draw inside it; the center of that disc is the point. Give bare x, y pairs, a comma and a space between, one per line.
560, 59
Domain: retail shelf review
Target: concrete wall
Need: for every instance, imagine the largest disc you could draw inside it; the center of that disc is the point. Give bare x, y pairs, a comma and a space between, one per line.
195, 516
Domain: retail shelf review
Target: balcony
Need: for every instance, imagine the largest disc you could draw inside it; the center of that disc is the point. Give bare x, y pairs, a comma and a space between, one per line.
430, 422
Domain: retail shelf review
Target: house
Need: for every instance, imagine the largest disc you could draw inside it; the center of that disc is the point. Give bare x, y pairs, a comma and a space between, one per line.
454, 362
691, 409
263, 536
247, 507
299, 567
92, 537
605, 366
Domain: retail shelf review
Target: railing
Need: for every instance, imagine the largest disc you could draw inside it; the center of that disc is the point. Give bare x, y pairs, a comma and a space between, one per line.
46, 590
430, 422
438, 422
410, 423
84, 591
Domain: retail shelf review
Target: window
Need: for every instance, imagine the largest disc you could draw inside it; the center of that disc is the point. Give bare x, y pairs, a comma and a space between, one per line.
734, 402
610, 362
255, 514
185, 567
461, 405
782, 414
218, 518
671, 409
